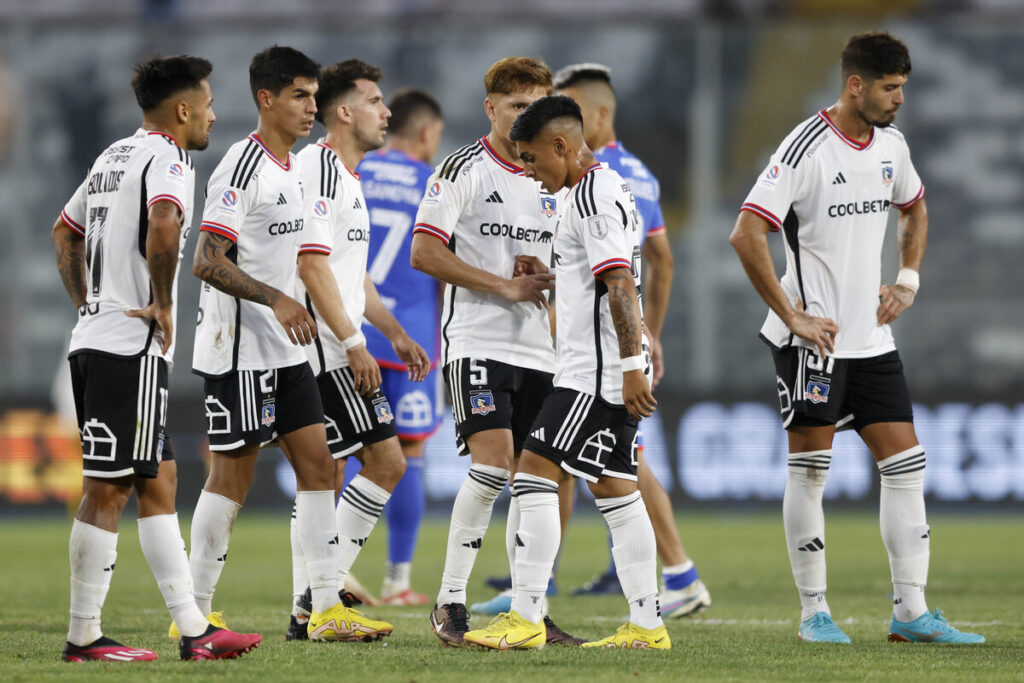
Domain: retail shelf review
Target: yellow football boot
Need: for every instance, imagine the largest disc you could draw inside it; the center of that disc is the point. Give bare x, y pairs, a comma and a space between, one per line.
340, 623
638, 638
509, 631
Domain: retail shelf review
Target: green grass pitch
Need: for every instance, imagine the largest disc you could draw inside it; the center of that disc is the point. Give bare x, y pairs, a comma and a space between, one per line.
749, 632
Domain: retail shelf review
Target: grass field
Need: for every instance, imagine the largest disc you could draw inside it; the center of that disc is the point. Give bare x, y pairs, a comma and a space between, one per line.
749, 633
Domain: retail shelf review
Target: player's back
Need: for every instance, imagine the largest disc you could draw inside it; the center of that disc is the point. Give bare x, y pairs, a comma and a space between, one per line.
110, 209
254, 200
487, 212
393, 184
599, 230
642, 183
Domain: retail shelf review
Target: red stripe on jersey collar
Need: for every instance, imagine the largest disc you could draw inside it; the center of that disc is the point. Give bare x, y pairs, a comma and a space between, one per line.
286, 166
350, 171
596, 166
156, 132
507, 165
823, 115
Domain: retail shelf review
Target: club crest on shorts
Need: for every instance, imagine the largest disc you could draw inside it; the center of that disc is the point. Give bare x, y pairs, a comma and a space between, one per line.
383, 410
268, 414
481, 402
817, 389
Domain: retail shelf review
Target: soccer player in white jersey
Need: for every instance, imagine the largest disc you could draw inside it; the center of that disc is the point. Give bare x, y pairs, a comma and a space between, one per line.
588, 425
120, 269
590, 85
338, 293
478, 215
258, 385
829, 188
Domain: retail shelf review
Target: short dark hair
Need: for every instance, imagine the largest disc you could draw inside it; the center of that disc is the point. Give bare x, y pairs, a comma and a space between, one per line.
588, 72
157, 78
513, 74
277, 67
338, 79
874, 55
408, 104
533, 119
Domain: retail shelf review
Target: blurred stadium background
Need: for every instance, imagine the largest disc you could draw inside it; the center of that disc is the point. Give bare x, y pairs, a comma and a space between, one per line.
707, 89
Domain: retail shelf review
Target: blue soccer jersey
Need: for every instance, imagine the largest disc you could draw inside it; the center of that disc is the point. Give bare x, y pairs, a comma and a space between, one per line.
393, 185
642, 183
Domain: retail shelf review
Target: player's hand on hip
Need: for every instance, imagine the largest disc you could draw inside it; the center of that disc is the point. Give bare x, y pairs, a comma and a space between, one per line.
414, 357
636, 394
365, 371
893, 300
819, 331
530, 288
163, 316
528, 265
295, 320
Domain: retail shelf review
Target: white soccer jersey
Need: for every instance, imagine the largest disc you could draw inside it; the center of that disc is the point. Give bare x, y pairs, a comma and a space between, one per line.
254, 200
488, 212
599, 230
831, 195
111, 210
338, 225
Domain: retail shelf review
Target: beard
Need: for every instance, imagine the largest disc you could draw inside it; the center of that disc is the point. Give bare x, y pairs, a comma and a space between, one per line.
883, 121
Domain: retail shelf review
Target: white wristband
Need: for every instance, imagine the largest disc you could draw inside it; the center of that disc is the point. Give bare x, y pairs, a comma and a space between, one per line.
909, 278
353, 341
633, 363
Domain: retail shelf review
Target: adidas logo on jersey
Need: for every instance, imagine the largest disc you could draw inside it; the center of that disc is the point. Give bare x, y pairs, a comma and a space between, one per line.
281, 200
539, 434
840, 179
494, 198
358, 204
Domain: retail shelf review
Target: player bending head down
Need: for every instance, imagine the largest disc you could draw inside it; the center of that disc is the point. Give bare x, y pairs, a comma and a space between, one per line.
548, 138
875, 66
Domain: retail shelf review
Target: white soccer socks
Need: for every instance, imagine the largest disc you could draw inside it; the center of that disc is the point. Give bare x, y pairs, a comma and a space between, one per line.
212, 522
535, 543
299, 578
905, 530
511, 527
318, 534
92, 551
636, 557
164, 549
804, 520
358, 510
471, 514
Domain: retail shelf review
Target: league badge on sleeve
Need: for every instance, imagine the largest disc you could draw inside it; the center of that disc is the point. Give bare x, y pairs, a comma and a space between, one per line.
433, 194
176, 173
887, 175
228, 201
481, 402
817, 389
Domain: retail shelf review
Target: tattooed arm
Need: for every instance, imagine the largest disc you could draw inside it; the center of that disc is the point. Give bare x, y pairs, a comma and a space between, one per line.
625, 310
211, 265
911, 241
70, 250
162, 258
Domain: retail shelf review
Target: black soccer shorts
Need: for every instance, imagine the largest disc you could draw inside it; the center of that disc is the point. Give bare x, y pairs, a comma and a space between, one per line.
488, 394
587, 436
845, 392
353, 420
256, 406
121, 405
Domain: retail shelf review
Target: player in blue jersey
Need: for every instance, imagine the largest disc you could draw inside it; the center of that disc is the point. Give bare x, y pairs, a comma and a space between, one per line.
393, 180
590, 85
